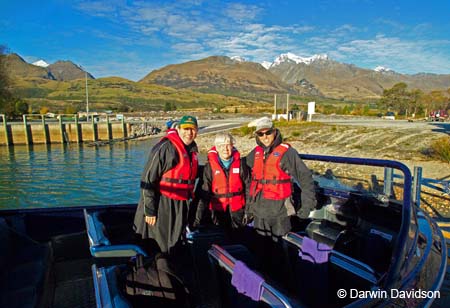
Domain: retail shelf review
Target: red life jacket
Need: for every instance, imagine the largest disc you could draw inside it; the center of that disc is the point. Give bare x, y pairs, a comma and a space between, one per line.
178, 182
268, 176
226, 191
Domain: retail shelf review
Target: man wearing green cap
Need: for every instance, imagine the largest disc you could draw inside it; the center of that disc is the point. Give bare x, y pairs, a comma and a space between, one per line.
167, 186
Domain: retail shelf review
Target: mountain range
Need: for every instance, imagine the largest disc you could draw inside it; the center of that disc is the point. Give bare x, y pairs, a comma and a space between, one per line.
60, 70
313, 76
288, 73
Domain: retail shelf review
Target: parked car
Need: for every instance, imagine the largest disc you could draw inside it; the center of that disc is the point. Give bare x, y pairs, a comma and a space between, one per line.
439, 115
389, 116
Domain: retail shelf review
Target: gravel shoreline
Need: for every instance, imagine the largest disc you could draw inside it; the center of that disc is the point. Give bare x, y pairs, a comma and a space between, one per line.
394, 144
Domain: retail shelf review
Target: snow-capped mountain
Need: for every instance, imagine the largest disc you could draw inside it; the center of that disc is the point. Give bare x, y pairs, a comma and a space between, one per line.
285, 57
382, 69
266, 64
238, 59
41, 63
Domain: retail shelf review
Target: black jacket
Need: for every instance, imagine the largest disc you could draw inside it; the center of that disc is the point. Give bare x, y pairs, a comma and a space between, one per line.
171, 215
162, 158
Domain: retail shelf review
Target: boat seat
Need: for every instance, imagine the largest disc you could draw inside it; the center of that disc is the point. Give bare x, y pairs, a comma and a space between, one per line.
313, 279
198, 243
224, 262
25, 269
323, 231
106, 287
99, 244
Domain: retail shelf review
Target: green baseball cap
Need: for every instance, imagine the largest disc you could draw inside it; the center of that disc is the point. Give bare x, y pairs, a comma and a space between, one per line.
188, 121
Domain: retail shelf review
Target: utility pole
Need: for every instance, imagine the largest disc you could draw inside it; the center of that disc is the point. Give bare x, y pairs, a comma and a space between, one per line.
287, 106
275, 106
87, 97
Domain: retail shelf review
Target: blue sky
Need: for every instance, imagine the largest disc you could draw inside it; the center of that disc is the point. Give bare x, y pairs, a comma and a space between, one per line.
131, 38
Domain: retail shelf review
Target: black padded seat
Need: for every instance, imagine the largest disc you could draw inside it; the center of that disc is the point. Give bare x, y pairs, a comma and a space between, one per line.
21, 298
25, 267
324, 232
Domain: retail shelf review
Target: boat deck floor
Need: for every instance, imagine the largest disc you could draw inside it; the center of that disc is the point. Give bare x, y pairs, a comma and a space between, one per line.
73, 285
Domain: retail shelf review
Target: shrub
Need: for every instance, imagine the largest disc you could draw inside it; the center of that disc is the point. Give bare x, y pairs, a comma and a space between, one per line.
243, 131
440, 148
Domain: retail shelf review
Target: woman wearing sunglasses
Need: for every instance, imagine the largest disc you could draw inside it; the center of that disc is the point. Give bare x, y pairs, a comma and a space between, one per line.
275, 165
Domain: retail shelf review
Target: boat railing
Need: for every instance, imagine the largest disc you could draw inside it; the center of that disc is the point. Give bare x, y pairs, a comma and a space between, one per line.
269, 294
99, 244
400, 250
106, 288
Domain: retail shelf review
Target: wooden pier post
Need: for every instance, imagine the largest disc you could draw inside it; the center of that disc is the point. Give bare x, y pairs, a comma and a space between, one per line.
108, 128
94, 130
26, 130
45, 130
124, 128
78, 129
8, 140
61, 128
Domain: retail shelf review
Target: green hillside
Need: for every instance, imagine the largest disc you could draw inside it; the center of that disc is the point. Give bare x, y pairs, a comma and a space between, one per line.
117, 94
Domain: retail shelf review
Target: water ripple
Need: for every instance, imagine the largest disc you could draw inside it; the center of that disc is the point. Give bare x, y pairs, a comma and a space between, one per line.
63, 175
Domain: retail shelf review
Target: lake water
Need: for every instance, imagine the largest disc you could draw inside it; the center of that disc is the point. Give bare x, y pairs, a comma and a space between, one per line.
71, 175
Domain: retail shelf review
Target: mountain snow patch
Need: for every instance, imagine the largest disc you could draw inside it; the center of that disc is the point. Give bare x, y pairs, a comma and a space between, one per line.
266, 64
286, 57
41, 63
382, 69
238, 59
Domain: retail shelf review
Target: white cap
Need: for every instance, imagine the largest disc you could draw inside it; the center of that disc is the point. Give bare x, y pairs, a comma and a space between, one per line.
261, 123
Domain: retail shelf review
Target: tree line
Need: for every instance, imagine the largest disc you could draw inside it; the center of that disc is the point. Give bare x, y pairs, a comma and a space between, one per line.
413, 102
9, 104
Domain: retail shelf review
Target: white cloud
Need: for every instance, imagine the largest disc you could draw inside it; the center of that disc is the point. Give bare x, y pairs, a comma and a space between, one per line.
241, 12
190, 29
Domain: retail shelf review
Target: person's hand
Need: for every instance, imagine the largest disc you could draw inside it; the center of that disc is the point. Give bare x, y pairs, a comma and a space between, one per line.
194, 227
303, 213
247, 219
150, 220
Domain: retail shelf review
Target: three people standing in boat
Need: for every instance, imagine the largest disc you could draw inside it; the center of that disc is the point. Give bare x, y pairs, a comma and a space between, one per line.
260, 186
167, 186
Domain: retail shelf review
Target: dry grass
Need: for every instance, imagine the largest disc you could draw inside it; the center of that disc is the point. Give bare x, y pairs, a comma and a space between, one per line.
441, 149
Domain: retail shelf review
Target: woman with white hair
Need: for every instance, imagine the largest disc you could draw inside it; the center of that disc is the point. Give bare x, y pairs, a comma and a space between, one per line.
224, 185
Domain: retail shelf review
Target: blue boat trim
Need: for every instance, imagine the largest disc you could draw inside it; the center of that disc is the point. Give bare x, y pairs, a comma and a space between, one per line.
99, 244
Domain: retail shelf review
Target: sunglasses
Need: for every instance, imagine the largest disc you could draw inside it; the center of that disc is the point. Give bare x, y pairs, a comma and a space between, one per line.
267, 133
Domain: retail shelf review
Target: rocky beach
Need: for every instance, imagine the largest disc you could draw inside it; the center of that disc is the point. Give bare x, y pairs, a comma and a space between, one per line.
398, 141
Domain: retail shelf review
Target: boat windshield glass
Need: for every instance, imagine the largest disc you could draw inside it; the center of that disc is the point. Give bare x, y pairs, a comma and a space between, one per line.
384, 184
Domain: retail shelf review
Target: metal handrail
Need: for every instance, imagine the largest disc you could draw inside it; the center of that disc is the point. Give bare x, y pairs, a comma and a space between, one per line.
399, 251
